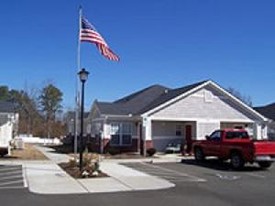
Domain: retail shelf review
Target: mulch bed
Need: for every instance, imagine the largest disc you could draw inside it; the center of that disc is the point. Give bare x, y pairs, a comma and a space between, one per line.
74, 171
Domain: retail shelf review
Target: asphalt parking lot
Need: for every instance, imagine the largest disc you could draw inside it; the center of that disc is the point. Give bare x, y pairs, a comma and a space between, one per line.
208, 171
214, 179
210, 183
163, 171
11, 177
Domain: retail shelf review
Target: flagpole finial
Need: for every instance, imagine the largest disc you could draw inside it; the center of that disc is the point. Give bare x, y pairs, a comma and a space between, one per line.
80, 9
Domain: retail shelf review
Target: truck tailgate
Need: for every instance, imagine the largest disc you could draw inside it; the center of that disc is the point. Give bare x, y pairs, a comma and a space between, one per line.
264, 148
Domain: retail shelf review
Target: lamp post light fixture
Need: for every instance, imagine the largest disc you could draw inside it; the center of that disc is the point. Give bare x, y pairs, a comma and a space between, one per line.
83, 76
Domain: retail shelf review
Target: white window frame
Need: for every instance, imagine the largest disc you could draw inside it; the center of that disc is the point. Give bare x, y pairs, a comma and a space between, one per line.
120, 132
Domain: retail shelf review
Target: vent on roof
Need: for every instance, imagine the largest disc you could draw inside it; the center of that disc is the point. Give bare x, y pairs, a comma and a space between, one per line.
166, 91
208, 96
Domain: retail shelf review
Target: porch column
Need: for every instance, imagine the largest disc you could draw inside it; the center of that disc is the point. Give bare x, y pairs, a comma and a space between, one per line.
139, 136
104, 134
260, 130
147, 133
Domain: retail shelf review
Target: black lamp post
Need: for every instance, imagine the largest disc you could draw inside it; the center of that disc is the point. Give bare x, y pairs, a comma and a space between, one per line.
83, 76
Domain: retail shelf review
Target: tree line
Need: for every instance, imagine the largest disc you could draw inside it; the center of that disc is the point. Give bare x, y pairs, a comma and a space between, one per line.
39, 110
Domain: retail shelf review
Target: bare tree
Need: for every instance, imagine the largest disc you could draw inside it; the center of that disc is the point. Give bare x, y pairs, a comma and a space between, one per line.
244, 98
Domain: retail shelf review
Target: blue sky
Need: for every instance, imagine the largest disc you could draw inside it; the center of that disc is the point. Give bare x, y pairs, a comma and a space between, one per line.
168, 42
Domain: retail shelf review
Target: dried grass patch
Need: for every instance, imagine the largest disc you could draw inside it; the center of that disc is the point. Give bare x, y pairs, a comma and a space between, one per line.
28, 153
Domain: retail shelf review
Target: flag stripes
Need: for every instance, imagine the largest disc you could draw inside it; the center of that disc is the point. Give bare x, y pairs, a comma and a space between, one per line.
89, 34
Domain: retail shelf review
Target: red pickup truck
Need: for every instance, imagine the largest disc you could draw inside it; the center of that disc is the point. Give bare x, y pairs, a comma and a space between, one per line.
235, 145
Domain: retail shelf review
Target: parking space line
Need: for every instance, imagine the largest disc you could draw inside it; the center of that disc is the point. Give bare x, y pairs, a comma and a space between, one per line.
9, 169
9, 173
162, 173
10, 177
180, 174
254, 175
13, 187
24, 175
11, 182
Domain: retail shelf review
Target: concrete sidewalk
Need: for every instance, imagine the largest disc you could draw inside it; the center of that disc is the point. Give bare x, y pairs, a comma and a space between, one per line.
46, 177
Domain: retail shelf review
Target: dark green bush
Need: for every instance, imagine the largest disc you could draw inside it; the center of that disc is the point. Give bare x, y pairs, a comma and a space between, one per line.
151, 151
113, 151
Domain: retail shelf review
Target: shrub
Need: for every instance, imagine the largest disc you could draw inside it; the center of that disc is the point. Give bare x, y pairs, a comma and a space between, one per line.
90, 164
90, 159
113, 151
72, 162
151, 151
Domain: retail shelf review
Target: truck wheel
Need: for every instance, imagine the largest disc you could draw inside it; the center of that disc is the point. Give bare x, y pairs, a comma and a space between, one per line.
236, 161
199, 156
264, 164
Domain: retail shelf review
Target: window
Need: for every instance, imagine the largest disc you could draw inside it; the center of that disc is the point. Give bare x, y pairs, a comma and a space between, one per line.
115, 133
121, 134
237, 135
178, 130
215, 136
126, 134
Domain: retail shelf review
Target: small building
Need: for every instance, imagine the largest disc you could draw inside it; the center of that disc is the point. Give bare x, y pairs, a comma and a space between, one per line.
9, 119
158, 115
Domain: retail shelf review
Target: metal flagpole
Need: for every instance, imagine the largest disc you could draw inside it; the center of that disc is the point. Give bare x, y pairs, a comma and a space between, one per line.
77, 84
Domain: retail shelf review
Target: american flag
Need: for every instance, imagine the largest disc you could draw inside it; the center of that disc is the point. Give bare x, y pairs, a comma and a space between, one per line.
89, 34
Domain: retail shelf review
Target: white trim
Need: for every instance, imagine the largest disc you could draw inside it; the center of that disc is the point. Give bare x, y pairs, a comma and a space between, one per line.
238, 101
148, 129
236, 121
166, 137
174, 119
115, 115
98, 119
199, 120
123, 117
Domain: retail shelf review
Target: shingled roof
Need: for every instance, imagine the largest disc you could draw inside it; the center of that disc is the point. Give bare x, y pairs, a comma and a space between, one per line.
143, 100
7, 107
170, 94
268, 111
